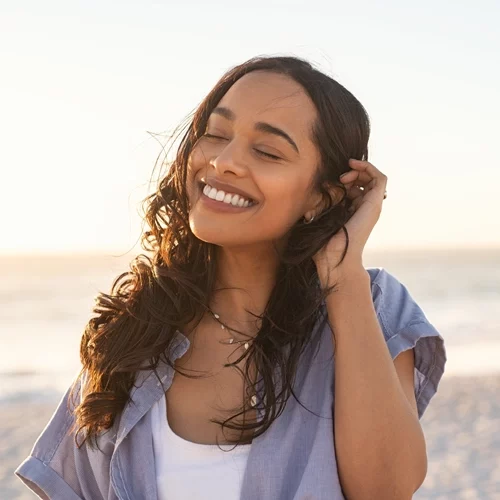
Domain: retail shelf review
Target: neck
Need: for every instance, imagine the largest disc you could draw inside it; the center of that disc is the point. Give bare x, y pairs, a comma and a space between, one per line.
245, 279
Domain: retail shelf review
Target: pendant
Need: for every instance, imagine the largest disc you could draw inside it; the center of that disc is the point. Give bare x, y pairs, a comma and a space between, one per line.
253, 401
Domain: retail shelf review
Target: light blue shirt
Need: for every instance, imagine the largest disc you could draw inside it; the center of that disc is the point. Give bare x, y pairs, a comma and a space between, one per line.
293, 460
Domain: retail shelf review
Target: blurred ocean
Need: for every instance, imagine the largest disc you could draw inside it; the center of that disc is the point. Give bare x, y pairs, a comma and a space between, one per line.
45, 302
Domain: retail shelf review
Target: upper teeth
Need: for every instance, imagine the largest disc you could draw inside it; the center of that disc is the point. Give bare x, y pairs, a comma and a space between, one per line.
229, 198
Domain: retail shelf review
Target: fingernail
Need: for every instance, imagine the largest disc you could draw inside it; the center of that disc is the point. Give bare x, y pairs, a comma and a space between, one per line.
343, 175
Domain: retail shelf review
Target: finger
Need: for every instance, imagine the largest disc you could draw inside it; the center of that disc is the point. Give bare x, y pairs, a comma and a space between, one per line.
361, 172
376, 185
363, 183
360, 181
356, 177
378, 181
355, 192
365, 166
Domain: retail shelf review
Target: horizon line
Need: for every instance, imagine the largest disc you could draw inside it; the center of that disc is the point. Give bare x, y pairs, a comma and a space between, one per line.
137, 251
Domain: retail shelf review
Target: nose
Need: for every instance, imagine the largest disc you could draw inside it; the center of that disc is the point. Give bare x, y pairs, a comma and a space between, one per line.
229, 160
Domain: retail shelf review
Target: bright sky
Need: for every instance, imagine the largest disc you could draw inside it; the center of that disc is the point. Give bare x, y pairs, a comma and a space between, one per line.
85, 83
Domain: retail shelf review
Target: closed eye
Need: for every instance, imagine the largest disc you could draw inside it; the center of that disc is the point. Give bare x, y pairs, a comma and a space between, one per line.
263, 153
273, 157
210, 136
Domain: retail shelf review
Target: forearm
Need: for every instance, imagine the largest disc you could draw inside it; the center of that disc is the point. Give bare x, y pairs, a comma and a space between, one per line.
379, 442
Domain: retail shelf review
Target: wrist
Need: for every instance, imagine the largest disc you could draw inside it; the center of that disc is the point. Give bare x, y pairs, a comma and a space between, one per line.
343, 277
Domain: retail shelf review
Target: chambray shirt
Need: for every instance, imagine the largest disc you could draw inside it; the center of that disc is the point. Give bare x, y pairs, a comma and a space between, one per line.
293, 460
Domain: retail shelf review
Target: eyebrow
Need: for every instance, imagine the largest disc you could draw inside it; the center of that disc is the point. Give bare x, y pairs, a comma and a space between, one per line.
260, 126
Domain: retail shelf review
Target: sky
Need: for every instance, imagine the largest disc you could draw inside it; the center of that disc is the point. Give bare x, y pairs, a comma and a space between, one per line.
90, 90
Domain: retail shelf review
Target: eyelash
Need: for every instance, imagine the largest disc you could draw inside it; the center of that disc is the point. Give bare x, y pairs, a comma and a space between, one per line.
267, 155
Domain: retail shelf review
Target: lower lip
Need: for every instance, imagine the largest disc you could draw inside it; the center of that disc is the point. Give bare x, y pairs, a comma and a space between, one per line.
220, 206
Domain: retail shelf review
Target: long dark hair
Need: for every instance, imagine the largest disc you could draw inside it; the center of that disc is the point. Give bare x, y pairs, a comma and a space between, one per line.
137, 321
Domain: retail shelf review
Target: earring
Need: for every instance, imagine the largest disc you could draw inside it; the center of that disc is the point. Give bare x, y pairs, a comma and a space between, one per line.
308, 221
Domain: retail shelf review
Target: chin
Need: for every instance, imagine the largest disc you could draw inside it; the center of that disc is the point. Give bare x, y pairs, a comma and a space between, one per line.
211, 231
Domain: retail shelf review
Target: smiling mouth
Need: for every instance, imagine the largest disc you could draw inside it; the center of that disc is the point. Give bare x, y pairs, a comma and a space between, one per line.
231, 199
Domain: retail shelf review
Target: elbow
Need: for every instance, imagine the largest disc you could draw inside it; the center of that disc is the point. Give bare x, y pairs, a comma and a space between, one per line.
422, 473
393, 472
400, 483
381, 492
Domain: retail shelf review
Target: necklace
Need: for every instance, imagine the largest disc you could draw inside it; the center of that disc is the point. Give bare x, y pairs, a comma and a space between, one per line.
232, 340
229, 340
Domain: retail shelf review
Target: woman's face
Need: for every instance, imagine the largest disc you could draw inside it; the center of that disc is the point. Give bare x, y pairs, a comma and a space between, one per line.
258, 145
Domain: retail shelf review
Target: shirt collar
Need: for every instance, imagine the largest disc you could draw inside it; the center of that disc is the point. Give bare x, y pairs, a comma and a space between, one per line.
148, 389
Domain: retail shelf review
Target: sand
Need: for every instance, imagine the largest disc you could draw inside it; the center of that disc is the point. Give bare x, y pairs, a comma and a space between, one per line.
462, 430
461, 425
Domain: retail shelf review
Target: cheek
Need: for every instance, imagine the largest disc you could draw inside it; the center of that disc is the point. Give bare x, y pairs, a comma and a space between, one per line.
194, 165
197, 154
201, 155
284, 198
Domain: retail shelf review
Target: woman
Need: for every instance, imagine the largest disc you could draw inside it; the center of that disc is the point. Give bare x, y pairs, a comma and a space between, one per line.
255, 292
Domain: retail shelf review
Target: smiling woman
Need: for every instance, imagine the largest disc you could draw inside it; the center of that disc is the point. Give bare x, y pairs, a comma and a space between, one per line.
255, 292
259, 140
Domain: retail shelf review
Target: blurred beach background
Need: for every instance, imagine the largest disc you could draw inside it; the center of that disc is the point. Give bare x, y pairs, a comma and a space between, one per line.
91, 92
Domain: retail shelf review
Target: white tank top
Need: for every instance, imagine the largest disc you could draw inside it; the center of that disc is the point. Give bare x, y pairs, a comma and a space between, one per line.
187, 470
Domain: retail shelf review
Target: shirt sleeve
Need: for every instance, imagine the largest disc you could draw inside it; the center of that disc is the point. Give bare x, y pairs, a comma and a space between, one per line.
56, 468
405, 326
